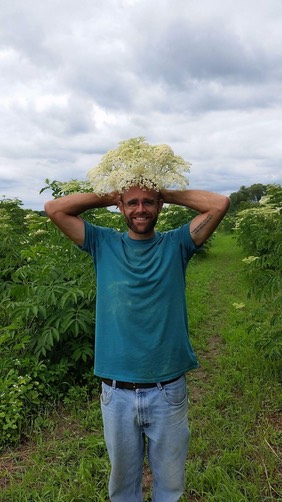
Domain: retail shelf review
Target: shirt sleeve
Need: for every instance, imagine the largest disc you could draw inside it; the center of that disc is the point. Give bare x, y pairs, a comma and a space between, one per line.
91, 238
188, 246
94, 236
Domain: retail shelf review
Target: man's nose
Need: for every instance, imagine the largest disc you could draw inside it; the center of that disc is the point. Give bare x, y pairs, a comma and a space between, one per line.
140, 205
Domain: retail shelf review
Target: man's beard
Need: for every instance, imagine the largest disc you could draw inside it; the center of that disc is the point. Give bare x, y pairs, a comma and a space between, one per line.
151, 223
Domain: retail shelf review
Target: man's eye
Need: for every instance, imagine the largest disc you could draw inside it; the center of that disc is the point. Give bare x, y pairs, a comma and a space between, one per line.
135, 203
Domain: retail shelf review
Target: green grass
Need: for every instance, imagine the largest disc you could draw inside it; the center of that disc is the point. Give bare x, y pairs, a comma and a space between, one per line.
66, 460
235, 398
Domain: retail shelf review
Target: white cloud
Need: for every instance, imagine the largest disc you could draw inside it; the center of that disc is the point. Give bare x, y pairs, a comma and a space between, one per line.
77, 78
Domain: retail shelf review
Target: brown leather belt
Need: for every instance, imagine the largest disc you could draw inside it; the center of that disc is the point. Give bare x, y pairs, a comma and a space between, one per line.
134, 386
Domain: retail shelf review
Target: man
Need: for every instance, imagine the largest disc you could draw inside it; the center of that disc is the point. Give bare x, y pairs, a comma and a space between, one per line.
142, 347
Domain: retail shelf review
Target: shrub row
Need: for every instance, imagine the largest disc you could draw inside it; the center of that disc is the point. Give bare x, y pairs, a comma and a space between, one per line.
259, 232
47, 288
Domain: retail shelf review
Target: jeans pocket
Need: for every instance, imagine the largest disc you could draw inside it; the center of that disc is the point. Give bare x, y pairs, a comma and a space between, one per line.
175, 393
106, 394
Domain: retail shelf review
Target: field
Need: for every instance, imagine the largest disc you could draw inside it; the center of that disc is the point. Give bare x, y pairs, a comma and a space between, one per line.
235, 405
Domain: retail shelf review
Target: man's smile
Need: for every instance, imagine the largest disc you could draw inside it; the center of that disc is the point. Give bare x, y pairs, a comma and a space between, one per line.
141, 209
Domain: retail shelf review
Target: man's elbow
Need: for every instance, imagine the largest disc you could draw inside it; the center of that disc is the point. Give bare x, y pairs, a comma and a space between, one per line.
50, 208
221, 207
225, 203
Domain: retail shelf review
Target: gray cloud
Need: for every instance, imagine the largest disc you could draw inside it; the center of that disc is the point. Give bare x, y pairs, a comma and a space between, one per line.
75, 79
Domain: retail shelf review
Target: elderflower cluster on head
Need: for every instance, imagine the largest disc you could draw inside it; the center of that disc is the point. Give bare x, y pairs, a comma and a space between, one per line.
136, 162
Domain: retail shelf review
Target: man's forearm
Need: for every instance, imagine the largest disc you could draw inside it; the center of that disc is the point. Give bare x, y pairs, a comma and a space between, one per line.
78, 203
211, 208
65, 211
199, 200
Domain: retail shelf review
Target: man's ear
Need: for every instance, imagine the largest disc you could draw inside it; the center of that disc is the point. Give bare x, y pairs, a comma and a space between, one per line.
120, 206
161, 203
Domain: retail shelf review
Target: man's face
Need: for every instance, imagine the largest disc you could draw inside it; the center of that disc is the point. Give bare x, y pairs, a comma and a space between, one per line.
141, 209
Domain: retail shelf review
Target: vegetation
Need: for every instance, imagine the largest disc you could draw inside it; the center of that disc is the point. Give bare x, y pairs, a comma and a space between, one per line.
259, 231
50, 423
236, 394
247, 197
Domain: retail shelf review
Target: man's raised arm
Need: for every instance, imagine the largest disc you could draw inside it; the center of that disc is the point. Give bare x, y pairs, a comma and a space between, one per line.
65, 211
211, 206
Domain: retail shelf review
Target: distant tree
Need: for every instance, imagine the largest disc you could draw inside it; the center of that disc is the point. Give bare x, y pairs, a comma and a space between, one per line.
257, 191
247, 197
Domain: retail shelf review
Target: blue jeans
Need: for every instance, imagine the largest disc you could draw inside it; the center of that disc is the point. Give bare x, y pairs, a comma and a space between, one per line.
158, 414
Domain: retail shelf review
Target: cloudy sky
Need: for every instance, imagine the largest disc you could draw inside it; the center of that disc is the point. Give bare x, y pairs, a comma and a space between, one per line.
77, 77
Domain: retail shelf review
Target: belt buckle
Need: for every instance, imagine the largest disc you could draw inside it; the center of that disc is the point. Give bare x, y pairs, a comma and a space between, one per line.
134, 385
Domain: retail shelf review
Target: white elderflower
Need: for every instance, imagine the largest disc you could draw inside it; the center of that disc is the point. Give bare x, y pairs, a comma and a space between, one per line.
136, 162
29, 216
40, 231
250, 259
238, 306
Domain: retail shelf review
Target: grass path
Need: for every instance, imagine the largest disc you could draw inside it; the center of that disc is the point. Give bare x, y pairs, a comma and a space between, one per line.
234, 416
235, 395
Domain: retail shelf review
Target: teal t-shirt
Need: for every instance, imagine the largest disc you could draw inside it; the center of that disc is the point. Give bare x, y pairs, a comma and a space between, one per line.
141, 313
